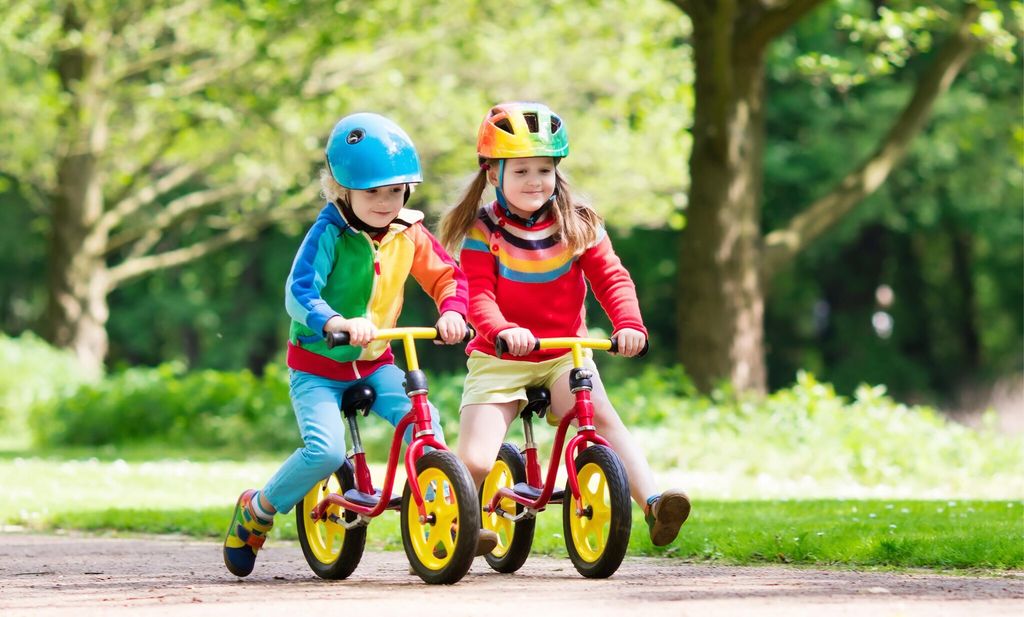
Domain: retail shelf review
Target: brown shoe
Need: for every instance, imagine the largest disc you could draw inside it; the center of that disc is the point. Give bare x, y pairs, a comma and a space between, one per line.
666, 514
486, 543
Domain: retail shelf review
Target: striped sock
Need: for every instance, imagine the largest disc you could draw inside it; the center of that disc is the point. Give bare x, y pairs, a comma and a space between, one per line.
650, 504
264, 517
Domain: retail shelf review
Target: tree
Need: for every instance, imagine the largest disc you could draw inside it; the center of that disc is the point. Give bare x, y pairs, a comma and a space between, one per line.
726, 263
153, 134
250, 133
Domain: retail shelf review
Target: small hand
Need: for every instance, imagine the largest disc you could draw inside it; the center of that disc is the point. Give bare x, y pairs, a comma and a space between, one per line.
360, 330
631, 342
451, 327
520, 341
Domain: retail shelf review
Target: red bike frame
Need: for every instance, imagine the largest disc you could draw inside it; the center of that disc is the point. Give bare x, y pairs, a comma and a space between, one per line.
423, 436
583, 411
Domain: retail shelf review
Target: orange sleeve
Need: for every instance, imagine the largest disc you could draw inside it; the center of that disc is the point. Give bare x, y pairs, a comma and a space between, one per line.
437, 273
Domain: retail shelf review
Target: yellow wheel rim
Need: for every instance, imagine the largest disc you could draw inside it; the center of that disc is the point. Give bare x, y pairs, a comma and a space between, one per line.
434, 541
325, 537
499, 477
590, 531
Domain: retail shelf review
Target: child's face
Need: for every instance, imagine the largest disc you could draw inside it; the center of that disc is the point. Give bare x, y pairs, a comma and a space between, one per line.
379, 206
528, 183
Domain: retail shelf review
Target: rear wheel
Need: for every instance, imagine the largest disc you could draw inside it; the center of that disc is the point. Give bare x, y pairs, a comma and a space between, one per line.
597, 537
441, 548
514, 539
331, 551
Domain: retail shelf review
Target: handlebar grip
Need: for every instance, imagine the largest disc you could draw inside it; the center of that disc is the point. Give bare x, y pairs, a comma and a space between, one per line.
470, 333
643, 352
501, 347
334, 339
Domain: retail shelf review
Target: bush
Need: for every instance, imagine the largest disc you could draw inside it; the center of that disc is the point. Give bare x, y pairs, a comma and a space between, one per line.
807, 438
235, 411
804, 440
34, 373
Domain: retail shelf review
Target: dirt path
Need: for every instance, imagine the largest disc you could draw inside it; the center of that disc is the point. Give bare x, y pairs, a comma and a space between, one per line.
81, 575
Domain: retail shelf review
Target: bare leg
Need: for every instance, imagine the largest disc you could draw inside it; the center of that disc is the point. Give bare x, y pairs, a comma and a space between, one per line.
481, 431
610, 426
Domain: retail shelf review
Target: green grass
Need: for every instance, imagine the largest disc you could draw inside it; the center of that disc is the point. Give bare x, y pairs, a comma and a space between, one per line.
107, 494
918, 534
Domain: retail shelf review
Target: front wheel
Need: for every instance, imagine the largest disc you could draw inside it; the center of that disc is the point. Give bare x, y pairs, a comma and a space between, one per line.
331, 551
598, 537
441, 548
514, 539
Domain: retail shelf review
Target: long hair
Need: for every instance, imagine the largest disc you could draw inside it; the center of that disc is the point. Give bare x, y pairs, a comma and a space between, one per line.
577, 222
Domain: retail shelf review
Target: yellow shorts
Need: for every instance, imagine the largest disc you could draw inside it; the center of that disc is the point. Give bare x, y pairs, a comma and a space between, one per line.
491, 381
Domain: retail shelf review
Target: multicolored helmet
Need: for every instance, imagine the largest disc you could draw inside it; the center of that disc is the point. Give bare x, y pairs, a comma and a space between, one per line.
519, 130
367, 150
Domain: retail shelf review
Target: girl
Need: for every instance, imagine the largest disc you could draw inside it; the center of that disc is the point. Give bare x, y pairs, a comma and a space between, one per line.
526, 255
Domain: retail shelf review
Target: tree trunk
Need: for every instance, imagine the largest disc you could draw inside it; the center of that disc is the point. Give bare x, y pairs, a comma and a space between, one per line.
77, 305
721, 303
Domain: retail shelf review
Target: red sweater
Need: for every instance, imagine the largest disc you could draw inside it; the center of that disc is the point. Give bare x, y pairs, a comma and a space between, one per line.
524, 277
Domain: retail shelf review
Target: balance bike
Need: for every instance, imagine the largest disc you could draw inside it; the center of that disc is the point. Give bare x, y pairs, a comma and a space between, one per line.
596, 517
438, 507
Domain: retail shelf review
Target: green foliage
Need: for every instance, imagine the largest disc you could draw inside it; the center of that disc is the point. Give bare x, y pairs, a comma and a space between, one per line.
235, 411
940, 233
34, 374
808, 440
247, 92
804, 440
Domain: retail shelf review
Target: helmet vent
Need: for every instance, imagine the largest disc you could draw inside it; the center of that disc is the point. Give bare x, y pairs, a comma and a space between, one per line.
531, 122
556, 123
505, 125
355, 136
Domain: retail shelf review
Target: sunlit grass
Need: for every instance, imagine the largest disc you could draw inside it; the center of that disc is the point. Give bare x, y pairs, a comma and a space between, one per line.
927, 534
196, 497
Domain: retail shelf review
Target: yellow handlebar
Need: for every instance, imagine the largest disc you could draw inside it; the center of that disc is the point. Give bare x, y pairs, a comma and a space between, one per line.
576, 344
406, 335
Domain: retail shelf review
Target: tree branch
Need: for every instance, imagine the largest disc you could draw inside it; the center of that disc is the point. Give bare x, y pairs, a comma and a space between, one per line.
763, 28
133, 268
159, 56
144, 168
130, 205
205, 75
146, 236
781, 246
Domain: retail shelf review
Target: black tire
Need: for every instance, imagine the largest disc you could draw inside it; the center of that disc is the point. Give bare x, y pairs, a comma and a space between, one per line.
598, 552
514, 539
454, 505
331, 551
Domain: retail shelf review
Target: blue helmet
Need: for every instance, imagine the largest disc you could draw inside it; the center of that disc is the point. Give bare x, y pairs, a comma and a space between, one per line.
367, 150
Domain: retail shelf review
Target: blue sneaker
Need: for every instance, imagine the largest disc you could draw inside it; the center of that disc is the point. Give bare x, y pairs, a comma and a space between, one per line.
245, 536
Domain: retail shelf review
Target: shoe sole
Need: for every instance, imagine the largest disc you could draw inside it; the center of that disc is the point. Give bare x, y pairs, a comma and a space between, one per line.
673, 510
486, 544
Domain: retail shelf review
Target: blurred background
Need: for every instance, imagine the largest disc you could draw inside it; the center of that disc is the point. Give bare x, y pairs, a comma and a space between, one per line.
828, 192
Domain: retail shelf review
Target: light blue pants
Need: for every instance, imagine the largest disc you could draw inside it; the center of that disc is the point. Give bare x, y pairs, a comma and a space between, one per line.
317, 403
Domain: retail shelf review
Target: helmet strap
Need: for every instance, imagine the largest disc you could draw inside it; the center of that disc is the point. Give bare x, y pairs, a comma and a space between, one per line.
358, 223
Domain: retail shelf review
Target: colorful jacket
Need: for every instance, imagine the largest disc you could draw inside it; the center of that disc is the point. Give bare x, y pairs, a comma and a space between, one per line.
525, 277
340, 270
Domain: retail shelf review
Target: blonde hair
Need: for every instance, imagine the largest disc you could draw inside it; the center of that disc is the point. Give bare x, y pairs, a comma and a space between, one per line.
577, 222
330, 189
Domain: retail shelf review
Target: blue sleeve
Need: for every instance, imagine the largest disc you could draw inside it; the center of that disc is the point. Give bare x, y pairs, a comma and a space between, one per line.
313, 264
